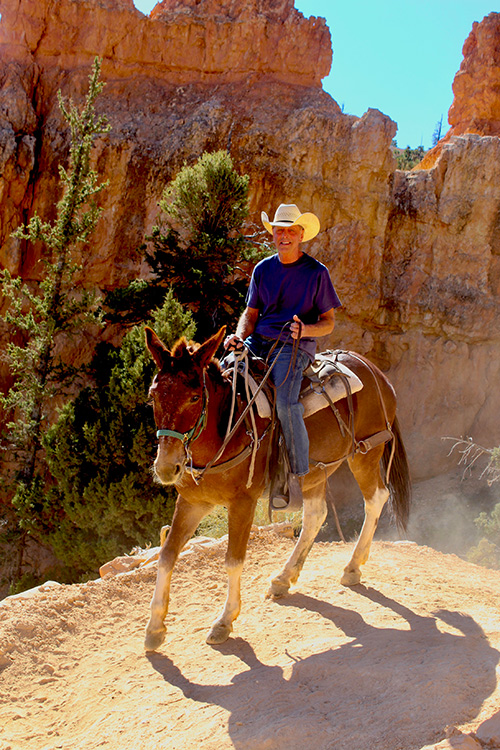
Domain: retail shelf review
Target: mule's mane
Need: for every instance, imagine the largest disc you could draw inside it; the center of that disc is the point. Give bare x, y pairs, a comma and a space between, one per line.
181, 345
183, 349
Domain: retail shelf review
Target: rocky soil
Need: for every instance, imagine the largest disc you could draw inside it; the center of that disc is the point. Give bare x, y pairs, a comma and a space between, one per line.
407, 659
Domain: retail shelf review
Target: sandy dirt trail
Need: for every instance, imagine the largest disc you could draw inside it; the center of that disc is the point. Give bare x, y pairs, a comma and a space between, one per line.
386, 665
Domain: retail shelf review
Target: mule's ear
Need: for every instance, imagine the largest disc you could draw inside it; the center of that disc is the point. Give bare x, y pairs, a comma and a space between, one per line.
206, 351
157, 348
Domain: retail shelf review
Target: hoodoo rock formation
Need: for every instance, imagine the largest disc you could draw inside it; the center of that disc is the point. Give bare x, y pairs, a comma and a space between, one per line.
476, 102
415, 256
476, 105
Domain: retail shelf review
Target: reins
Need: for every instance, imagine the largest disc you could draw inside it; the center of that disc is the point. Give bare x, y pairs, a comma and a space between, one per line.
362, 446
194, 433
231, 431
295, 350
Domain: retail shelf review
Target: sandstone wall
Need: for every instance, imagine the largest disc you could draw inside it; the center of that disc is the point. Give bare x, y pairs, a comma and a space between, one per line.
440, 297
414, 256
476, 105
181, 42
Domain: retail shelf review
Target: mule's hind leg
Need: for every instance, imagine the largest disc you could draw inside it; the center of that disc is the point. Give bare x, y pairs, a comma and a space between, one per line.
366, 470
186, 518
313, 516
240, 519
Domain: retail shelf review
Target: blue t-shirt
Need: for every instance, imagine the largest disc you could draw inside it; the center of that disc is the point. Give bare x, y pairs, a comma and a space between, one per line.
281, 290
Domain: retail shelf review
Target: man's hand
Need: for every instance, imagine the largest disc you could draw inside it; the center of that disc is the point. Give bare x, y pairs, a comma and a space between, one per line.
297, 327
323, 327
233, 343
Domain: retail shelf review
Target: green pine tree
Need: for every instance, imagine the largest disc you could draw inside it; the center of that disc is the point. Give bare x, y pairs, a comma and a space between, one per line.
410, 157
40, 318
436, 135
198, 248
101, 450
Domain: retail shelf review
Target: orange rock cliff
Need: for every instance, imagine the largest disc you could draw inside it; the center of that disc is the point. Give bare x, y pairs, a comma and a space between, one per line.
414, 256
476, 102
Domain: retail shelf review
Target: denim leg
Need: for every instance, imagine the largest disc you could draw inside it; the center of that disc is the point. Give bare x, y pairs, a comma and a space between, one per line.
290, 411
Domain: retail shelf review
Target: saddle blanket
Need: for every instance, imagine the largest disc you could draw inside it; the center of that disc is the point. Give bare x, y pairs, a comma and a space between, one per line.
324, 374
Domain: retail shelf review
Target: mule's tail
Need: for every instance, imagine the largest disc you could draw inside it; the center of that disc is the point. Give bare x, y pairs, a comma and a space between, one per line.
399, 482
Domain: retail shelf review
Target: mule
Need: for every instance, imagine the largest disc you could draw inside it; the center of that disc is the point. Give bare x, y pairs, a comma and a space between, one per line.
192, 403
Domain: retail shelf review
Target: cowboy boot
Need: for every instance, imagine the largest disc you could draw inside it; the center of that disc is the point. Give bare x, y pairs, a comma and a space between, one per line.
291, 500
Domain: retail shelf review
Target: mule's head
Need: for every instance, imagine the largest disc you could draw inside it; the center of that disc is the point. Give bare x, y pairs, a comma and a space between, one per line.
178, 397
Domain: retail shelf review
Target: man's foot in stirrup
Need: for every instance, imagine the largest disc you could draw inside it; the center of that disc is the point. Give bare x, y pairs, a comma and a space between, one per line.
292, 501
279, 502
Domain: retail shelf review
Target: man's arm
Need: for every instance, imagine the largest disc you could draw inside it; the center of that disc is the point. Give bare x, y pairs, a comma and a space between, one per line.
246, 326
323, 327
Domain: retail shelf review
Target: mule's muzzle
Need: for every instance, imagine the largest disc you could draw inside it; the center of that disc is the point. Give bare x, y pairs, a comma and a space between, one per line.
169, 465
168, 473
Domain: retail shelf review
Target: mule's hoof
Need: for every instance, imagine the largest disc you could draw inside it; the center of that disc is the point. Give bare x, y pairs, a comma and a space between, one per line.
277, 589
219, 633
351, 578
154, 639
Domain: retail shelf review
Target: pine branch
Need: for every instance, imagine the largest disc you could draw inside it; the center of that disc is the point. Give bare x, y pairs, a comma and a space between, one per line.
39, 317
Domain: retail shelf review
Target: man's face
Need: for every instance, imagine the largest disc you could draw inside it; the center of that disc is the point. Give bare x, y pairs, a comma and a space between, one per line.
287, 239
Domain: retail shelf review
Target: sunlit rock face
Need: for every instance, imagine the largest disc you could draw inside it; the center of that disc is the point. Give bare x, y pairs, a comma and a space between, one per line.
180, 42
443, 252
476, 104
193, 76
476, 87
441, 292
414, 256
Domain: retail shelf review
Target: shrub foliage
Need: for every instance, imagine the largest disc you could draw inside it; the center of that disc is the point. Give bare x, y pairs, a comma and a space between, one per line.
41, 317
197, 248
101, 450
80, 479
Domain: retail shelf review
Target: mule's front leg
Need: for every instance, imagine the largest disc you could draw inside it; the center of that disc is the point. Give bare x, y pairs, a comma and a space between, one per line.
313, 516
223, 625
240, 517
186, 518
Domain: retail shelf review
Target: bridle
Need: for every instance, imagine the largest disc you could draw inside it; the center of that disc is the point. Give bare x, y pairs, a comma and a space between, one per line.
194, 433
191, 435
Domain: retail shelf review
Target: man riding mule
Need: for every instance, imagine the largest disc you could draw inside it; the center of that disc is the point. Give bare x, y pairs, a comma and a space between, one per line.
192, 404
290, 303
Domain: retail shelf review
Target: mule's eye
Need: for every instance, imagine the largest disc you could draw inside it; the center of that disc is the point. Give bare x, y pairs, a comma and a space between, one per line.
194, 398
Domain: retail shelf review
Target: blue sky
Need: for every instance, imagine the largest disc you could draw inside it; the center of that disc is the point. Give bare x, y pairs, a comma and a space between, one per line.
399, 56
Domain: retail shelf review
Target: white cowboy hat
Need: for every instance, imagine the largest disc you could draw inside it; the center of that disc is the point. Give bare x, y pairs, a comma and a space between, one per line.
288, 215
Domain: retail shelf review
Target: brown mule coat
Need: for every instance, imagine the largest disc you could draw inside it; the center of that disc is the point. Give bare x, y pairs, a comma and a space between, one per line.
188, 381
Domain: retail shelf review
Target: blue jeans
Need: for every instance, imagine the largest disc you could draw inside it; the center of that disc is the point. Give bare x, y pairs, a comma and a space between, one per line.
290, 411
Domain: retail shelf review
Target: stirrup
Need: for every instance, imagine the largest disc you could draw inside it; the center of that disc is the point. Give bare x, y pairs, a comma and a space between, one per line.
291, 500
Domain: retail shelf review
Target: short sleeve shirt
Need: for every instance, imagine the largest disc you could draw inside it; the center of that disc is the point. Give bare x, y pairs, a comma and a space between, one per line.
281, 290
